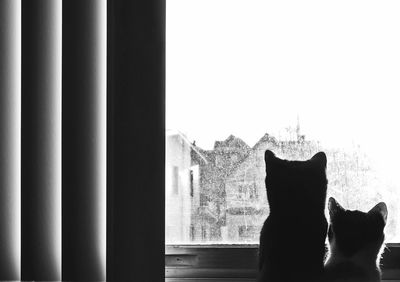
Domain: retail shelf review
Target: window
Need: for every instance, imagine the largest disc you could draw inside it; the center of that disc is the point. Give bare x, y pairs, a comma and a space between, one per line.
242, 192
203, 232
253, 191
203, 200
191, 183
192, 232
246, 232
286, 79
175, 180
243, 77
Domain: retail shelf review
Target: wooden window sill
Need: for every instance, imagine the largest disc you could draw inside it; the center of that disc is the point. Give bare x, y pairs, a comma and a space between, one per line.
239, 263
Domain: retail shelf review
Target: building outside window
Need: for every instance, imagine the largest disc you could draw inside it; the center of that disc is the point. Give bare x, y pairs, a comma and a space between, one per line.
284, 79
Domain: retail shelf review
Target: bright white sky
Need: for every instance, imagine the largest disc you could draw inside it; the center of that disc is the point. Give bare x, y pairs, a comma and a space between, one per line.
246, 67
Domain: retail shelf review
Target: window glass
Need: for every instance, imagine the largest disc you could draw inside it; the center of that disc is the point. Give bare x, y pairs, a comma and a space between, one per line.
295, 77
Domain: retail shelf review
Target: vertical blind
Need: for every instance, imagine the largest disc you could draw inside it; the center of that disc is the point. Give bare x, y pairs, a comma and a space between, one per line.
53, 140
82, 149
10, 139
41, 140
84, 139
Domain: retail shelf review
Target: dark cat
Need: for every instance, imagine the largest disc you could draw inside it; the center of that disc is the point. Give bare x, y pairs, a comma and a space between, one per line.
355, 240
292, 241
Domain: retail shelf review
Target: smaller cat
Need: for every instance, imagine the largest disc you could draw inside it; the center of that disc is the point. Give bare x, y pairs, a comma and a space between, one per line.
355, 242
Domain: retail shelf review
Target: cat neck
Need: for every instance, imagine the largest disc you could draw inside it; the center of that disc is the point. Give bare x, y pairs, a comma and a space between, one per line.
367, 258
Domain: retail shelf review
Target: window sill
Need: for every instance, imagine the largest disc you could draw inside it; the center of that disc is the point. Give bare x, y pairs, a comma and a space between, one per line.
239, 263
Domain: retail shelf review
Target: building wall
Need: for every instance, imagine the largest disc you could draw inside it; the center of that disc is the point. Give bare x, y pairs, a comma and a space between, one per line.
246, 197
229, 202
178, 197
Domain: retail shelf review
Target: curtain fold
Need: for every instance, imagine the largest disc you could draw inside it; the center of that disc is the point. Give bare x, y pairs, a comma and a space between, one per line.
53, 138
84, 140
136, 140
41, 140
10, 139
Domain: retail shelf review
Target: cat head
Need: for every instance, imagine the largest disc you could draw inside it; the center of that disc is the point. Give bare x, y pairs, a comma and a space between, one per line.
351, 231
296, 186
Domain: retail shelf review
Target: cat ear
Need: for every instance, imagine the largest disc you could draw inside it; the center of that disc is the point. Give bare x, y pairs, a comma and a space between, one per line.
268, 156
320, 158
380, 209
334, 207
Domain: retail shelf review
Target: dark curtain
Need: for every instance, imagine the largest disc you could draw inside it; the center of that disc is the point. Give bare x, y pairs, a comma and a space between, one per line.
82, 140
136, 73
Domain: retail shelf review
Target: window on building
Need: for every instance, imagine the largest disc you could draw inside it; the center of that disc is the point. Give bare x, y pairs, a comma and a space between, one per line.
192, 232
175, 180
253, 191
203, 232
234, 158
219, 160
309, 83
191, 182
241, 192
246, 232
203, 200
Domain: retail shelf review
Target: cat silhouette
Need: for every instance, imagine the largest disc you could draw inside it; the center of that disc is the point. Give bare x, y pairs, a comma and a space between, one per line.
292, 239
355, 242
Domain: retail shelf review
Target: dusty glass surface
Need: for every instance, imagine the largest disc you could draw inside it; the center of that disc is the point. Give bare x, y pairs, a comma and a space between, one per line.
295, 78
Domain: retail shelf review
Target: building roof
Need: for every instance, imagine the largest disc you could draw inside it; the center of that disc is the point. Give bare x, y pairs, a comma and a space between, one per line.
170, 132
266, 138
232, 142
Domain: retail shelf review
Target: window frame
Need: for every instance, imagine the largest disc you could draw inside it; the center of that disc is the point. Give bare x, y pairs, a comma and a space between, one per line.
239, 262
228, 262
